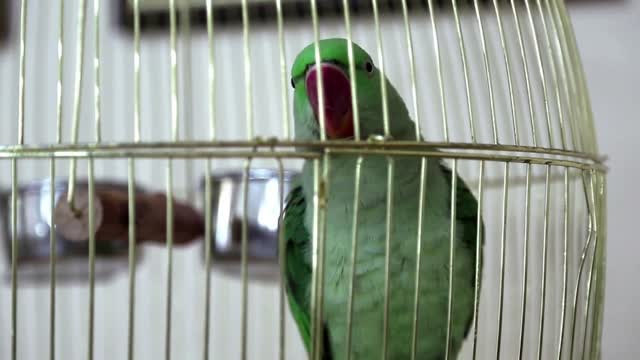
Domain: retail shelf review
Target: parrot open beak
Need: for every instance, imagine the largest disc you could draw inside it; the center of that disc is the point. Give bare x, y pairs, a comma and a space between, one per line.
337, 99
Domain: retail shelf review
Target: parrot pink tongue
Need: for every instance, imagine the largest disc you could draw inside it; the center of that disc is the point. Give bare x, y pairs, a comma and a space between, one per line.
337, 100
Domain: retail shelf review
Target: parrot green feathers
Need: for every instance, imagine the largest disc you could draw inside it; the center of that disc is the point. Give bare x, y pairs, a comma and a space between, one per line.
369, 295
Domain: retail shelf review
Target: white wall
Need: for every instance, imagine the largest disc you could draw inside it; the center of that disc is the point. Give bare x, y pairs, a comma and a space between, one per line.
608, 36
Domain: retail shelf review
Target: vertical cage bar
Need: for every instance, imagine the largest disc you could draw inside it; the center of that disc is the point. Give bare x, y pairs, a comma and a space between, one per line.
354, 254
452, 238
525, 69
52, 192
565, 264
525, 262
352, 72
208, 233
315, 258
208, 230
387, 256
542, 74
465, 69
479, 239
248, 98
96, 69
174, 136
283, 71
590, 202
243, 260
14, 184
436, 49
282, 262
487, 70
554, 75
320, 85
77, 97
507, 65
14, 259
383, 79
92, 259
412, 70
416, 296
503, 245
131, 176
545, 239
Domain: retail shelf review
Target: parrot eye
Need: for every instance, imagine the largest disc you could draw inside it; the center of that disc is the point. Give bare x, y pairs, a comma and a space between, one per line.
293, 83
369, 67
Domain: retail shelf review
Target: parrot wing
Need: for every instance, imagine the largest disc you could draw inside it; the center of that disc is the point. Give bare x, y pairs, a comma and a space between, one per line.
467, 216
298, 267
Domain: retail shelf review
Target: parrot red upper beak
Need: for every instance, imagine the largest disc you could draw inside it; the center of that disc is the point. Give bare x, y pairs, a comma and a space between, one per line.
337, 100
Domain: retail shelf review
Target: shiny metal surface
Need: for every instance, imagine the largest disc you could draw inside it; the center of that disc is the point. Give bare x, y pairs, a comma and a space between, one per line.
34, 220
262, 220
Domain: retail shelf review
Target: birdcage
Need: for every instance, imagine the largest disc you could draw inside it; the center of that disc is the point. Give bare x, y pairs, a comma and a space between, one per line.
117, 116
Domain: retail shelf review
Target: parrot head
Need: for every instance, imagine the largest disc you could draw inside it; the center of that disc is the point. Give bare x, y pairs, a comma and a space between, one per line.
337, 106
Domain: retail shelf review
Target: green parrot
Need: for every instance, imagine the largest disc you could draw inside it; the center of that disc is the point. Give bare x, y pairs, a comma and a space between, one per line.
369, 293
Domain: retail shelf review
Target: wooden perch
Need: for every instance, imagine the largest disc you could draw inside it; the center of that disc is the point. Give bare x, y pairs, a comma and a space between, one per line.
112, 218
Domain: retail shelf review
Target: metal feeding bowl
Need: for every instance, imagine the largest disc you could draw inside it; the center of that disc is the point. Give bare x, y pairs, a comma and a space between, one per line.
34, 224
227, 205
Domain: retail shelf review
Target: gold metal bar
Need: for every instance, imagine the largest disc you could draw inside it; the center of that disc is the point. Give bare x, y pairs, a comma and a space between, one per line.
92, 258
136, 71
317, 197
318, 60
436, 49
52, 263
487, 70
565, 267
131, 182
507, 64
79, 74
169, 243
322, 226
465, 70
212, 71
208, 230
525, 257
565, 72
354, 254
387, 255
96, 69
589, 294
60, 74
14, 184
208, 233
52, 191
525, 69
244, 260
383, 78
545, 239
14, 258
352, 73
416, 297
283, 72
248, 96
452, 240
590, 202
412, 68
503, 246
554, 75
174, 69
282, 262
11, 151
479, 239
174, 136
542, 74
132, 257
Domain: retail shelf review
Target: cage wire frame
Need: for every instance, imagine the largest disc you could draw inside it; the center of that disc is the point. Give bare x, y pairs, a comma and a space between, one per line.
557, 39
